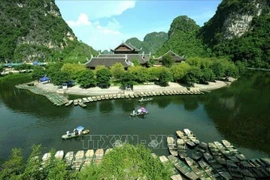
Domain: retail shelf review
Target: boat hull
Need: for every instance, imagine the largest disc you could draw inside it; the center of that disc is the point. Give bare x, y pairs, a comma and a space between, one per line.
72, 135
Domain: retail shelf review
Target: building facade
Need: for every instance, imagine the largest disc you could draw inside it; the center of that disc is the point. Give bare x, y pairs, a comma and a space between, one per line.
124, 54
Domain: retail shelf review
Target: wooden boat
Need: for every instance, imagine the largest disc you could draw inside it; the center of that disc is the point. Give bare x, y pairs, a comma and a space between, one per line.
163, 159
73, 135
76, 102
145, 99
266, 161
217, 166
209, 170
138, 114
182, 167
69, 157
172, 146
59, 155
46, 156
233, 150
108, 150
183, 136
228, 154
196, 168
234, 170
69, 103
98, 156
79, 158
217, 154
181, 148
82, 104
191, 136
85, 100
198, 152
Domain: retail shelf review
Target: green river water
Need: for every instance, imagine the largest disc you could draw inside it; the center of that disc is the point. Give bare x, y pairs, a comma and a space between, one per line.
239, 113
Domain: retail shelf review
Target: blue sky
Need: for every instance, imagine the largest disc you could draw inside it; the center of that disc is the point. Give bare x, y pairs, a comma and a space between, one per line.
105, 24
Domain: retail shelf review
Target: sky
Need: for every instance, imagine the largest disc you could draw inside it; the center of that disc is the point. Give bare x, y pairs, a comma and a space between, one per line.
106, 24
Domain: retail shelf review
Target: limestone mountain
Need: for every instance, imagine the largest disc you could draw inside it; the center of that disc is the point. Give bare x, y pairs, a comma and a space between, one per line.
240, 29
34, 30
182, 38
151, 42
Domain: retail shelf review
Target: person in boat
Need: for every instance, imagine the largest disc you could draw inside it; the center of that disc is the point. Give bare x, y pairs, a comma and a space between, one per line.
76, 132
139, 111
134, 112
67, 133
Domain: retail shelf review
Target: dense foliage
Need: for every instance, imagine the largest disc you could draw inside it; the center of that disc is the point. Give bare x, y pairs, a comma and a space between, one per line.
34, 30
252, 46
103, 78
183, 38
151, 42
126, 162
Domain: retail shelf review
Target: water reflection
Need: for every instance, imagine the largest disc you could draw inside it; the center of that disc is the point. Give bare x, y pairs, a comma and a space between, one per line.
242, 112
105, 106
26, 102
190, 103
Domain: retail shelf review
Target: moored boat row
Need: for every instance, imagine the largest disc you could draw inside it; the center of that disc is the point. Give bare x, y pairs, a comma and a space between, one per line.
216, 160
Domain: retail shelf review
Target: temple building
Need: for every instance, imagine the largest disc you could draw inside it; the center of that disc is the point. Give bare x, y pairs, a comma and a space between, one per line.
124, 53
176, 58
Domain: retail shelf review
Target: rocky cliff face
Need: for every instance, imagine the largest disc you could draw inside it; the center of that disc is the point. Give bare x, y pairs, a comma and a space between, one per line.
33, 30
240, 30
233, 18
238, 23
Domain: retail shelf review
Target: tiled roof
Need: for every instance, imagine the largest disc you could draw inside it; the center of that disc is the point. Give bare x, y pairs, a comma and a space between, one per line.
107, 61
142, 58
110, 59
128, 45
112, 55
175, 56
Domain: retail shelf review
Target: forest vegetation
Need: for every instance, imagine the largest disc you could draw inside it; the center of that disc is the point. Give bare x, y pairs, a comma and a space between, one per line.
125, 162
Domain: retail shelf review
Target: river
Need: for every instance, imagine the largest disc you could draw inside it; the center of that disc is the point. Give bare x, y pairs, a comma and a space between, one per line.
239, 113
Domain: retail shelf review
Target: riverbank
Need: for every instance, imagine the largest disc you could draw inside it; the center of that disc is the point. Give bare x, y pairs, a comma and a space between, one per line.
76, 90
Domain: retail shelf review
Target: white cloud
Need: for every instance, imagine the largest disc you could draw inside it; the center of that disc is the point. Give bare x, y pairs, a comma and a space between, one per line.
109, 8
98, 36
82, 21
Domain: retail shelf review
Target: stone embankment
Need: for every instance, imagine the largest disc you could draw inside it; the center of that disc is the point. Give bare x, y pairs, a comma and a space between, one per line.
55, 94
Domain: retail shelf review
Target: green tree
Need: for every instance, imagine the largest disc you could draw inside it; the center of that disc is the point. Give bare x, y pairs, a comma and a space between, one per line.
231, 70
165, 76
53, 68
60, 77
151, 62
129, 162
136, 62
167, 60
241, 67
140, 73
154, 72
1, 68
38, 72
117, 70
218, 69
23, 67
86, 79
32, 170
192, 76
103, 78
179, 70
73, 69
127, 79
14, 166
207, 75
99, 67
